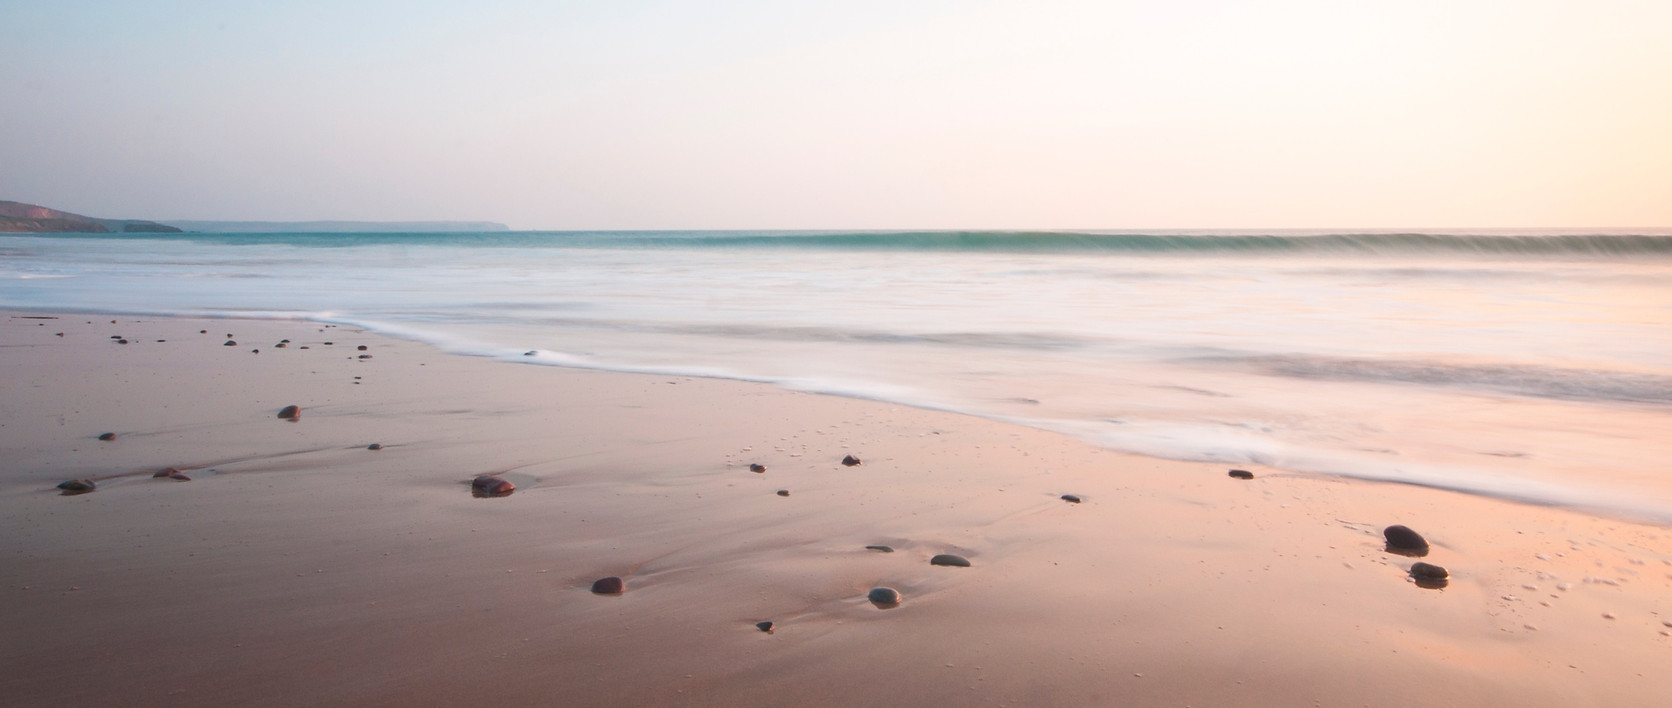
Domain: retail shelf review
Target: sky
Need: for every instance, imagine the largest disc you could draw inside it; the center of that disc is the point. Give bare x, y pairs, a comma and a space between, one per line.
855, 114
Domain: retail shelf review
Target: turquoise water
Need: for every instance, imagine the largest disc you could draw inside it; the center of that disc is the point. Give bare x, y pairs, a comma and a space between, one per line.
1529, 365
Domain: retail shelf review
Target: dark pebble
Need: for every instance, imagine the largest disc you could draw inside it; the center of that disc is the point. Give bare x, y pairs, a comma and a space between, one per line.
764, 626
361, 347
1242, 474
303, 347
160, 341
850, 460
757, 468
116, 336
884, 549
1430, 576
165, 472
1071, 498
121, 341
203, 331
375, 446
1405, 542
329, 343
783, 492
230, 343
78, 485
530, 352
949, 559
107, 436
365, 356
178, 477
884, 597
255, 351
490, 486
284, 341
1429, 571
609, 586
290, 412
280, 345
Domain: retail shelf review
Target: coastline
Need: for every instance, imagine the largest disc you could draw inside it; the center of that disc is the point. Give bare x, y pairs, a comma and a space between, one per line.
299, 567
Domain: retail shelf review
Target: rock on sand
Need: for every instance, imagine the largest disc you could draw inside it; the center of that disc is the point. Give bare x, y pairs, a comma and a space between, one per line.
290, 412
949, 559
1405, 542
1428, 575
490, 486
884, 597
609, 586
850, 461
1242, 474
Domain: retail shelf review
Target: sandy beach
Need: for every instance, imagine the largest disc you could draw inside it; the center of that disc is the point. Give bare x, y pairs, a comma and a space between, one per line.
299, 567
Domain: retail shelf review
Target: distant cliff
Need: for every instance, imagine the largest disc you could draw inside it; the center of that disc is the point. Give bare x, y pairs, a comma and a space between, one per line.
17, 217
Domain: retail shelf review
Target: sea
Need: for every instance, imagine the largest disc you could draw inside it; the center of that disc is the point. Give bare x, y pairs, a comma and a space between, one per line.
1529, 365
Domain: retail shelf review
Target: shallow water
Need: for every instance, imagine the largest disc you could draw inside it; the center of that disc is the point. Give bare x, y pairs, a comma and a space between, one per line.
1532, 366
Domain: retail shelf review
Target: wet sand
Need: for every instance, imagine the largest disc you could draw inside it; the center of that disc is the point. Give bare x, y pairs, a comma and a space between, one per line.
299, 567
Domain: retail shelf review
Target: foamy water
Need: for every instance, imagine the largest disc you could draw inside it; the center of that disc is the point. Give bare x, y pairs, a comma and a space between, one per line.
1532, 366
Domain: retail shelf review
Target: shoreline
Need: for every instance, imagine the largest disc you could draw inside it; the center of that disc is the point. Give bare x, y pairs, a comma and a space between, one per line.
1620, 501
297, 566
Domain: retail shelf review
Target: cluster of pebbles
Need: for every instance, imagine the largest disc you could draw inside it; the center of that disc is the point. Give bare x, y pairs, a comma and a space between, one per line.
1400, 540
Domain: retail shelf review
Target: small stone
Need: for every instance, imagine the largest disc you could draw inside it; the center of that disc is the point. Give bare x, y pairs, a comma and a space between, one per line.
530, 352
375, 446
78, 485
1608, 615
1428, 570
230, 343
949, 559
764, 626
329, 343
361, 347
1071, 498
490, 486
107, 436
887, 549
1430, 576
121, 341
290, 412
1242, 474
165, 472
757, 468
850, 461
284, 341
280, 345
609, 586
178, 477
1405, 542
203, 331
783, 492
884, 597
365, 356
255, 351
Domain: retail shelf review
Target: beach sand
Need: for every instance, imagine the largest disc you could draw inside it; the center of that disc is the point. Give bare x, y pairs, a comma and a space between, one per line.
299, 567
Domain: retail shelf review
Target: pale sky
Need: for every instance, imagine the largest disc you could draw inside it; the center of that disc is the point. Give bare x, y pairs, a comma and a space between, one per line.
856, 114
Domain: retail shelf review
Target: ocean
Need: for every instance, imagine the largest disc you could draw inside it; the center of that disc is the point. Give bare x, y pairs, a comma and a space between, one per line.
1534, 366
